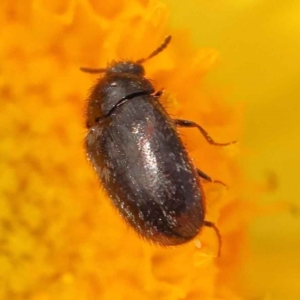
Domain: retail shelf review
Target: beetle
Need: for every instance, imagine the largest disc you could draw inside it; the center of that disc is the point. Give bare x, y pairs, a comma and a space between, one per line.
136, 151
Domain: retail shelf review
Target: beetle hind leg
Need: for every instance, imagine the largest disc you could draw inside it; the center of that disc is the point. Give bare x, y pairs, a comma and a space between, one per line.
219, 237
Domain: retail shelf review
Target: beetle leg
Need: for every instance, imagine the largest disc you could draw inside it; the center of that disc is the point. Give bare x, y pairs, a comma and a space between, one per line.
208, 178
186, 123
215, 228
204, 176
158, 94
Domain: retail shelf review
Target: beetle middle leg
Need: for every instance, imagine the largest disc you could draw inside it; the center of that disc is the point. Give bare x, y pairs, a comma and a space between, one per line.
186, 123
208, 178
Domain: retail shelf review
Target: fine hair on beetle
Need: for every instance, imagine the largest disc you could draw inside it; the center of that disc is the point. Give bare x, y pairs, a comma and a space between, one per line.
140, 159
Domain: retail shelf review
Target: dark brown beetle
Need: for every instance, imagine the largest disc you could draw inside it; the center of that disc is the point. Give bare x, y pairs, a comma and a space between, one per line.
139, 157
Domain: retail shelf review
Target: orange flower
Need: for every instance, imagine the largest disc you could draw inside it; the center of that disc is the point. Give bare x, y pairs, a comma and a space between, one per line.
60, 236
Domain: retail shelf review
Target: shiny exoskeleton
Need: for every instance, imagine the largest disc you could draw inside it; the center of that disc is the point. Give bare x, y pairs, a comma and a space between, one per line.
139, 157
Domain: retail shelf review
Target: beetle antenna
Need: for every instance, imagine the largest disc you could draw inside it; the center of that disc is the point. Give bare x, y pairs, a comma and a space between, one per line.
156, 51
215, 228
92, 70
